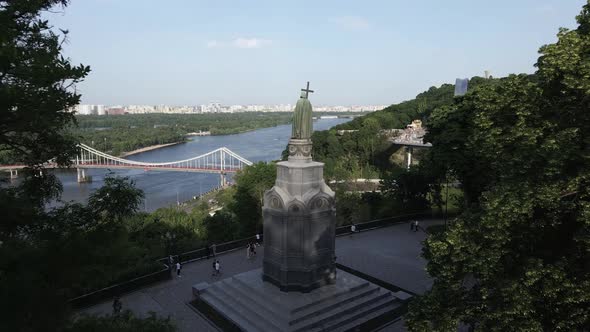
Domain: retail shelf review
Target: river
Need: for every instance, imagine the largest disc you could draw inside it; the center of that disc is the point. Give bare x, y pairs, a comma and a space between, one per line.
165, 188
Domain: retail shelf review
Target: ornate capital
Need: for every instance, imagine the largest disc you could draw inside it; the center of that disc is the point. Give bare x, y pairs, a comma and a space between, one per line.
300, 150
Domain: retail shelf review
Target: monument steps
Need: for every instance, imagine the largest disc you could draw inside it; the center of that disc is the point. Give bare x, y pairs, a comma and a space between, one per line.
352, 325
346, 313
240, 314
261, 298
228, 311
255, 303
250, 297
330, 298
365, 313
318, 304
351, 296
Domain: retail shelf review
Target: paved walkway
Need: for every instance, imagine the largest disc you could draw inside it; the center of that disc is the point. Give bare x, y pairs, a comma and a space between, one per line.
391, 254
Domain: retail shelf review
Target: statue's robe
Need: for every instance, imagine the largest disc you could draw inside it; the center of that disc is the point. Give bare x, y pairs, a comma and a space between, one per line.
302, 120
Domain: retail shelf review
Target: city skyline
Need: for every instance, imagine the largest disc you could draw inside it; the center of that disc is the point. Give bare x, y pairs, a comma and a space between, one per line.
263, 52
99, 109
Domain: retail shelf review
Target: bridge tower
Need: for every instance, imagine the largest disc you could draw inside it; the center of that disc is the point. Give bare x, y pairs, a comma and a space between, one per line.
13, 174
82, 177
409, 151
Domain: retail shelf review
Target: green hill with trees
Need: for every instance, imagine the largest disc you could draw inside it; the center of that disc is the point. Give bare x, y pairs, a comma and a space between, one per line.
365, 153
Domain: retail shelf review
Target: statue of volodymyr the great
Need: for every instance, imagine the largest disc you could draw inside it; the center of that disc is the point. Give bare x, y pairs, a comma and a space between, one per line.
302, 120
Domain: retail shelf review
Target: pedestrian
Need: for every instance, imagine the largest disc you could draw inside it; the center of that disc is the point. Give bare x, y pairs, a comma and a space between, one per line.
416, 226
257, 239
412, 225
214, 264
352, 229
214, 249
117, 306
252, 249
248, 251
217, 268
178, 268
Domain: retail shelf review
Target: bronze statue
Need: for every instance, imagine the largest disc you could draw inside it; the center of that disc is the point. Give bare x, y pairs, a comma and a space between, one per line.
302, 121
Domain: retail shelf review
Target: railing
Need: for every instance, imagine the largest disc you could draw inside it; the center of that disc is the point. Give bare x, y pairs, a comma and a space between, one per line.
194, 255
100, 295
383, 222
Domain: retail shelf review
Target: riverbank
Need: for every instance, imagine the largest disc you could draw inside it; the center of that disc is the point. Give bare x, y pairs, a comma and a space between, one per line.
164, 189
148, 148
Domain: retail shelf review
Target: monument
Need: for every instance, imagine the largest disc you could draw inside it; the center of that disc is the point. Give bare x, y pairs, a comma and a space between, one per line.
299, 214
298, 288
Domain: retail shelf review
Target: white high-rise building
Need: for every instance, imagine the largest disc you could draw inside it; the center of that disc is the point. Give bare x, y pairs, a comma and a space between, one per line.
84, 109
100, 110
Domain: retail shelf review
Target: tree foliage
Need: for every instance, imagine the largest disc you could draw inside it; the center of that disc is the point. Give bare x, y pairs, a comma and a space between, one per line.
123, 322
48, 256
251, 183
518, 258
365, 152
409, 188
36, 85
117, 198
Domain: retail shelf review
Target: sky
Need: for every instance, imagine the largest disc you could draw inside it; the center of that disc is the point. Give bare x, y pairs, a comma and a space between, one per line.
191, 52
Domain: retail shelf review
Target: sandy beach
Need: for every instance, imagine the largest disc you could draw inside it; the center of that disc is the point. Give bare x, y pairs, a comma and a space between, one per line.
147, 148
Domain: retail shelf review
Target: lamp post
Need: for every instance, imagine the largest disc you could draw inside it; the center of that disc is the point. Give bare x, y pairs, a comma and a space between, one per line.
446, 199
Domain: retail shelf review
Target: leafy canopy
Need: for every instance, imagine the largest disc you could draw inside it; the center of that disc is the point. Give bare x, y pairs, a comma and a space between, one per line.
517, 258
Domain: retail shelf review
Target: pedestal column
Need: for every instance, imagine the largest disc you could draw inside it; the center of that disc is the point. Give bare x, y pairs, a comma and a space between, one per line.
299, 224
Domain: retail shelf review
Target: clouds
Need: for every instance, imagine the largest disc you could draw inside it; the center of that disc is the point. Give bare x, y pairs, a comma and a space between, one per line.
351, 22
240, 43
354, 23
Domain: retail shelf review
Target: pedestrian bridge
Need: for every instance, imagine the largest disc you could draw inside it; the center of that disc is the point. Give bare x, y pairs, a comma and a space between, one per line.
221, 161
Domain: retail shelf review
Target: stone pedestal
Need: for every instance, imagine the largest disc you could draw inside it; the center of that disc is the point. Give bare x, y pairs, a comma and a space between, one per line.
255, 305
299, 224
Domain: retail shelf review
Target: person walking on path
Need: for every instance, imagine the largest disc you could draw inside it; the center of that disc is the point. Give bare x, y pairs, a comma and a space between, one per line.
213, 266
217, 268
352, 229
412, 225
214, 249
178, 268
257, 239
252, 249
117, 306
416, 226
248, 251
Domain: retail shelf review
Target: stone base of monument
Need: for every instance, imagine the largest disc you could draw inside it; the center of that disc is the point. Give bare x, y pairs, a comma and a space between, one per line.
254, 305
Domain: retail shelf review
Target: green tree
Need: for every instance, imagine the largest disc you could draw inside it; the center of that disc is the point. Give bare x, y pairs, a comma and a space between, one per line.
123, 322
251, 183
517, 258
36, 85
408, 188
117, 198
221, 227
36, 95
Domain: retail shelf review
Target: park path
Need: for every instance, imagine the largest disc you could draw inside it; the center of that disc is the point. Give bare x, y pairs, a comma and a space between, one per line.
390, 253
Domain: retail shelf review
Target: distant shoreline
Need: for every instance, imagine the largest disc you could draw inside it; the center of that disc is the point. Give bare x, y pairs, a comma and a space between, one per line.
208, 133
147, 148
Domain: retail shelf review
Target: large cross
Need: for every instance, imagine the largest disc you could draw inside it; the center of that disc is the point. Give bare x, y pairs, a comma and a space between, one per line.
307, 90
